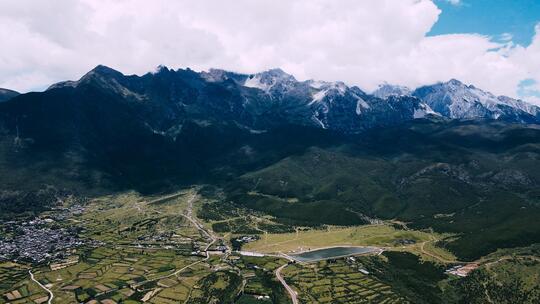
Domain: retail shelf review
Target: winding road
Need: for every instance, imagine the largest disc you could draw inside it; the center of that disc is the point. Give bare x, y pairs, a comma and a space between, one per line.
199, 226
51, 295
291, 291
213, 238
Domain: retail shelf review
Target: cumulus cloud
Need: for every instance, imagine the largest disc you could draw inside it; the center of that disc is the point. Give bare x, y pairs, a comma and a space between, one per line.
360, 42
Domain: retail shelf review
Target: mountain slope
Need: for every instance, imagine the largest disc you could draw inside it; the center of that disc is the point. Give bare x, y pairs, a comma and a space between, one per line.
6, 94
171, 124
477, 180
113, 131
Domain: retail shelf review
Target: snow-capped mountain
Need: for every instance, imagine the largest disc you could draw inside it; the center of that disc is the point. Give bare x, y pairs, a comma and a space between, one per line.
166, 99
272, 80
455, 100
386, 90
328, 105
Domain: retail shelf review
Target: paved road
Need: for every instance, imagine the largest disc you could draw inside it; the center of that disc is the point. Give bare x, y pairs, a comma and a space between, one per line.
198, 225
291, 291
51, 295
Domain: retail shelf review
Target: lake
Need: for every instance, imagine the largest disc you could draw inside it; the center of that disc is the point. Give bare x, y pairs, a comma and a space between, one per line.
330, 253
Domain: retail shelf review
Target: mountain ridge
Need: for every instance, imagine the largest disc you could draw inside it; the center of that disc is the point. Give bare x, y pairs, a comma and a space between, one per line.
6, 94
451, 99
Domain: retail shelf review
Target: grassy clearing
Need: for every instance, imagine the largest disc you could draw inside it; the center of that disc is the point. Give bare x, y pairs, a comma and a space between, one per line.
373, 235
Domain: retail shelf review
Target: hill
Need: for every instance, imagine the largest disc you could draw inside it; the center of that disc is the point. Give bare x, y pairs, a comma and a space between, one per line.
476, 180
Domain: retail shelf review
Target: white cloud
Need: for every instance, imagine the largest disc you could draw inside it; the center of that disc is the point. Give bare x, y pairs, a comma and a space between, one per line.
505, 37
360, 42
454, 2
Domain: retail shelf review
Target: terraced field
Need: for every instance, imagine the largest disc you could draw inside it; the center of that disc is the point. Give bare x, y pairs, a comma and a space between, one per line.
337, 282
144, 255
129, 218
24, 291
121, 274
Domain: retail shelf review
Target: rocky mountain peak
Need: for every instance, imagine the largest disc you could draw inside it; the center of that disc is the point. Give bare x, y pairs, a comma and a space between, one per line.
455, 83
103, 72
454, 99
268, 79
386, 90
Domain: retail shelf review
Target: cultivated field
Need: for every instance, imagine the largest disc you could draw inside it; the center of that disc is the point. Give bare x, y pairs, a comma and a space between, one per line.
123, 274
338, 282
16, 286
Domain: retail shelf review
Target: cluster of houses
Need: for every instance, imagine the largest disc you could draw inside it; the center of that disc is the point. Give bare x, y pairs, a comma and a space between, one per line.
36, 241
353, 263
247, 238
462, 270
238, 242
72, 260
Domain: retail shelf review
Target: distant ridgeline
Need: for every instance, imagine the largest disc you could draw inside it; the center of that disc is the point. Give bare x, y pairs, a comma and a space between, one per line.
447, 156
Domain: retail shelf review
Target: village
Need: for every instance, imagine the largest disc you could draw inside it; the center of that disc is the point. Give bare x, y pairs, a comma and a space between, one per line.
42, 239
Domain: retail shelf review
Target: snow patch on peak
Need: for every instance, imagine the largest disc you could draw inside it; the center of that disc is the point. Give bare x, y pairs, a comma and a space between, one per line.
317, 84
328, 89
267, 80
254, 81
318, 97
317, 120
277, 72
337, 86
214, 75
340, 87
423, 110
386, 90
456, 83
361, 104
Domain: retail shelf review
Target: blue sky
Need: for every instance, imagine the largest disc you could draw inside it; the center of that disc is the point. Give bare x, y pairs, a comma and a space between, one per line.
489, 17
527, 88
